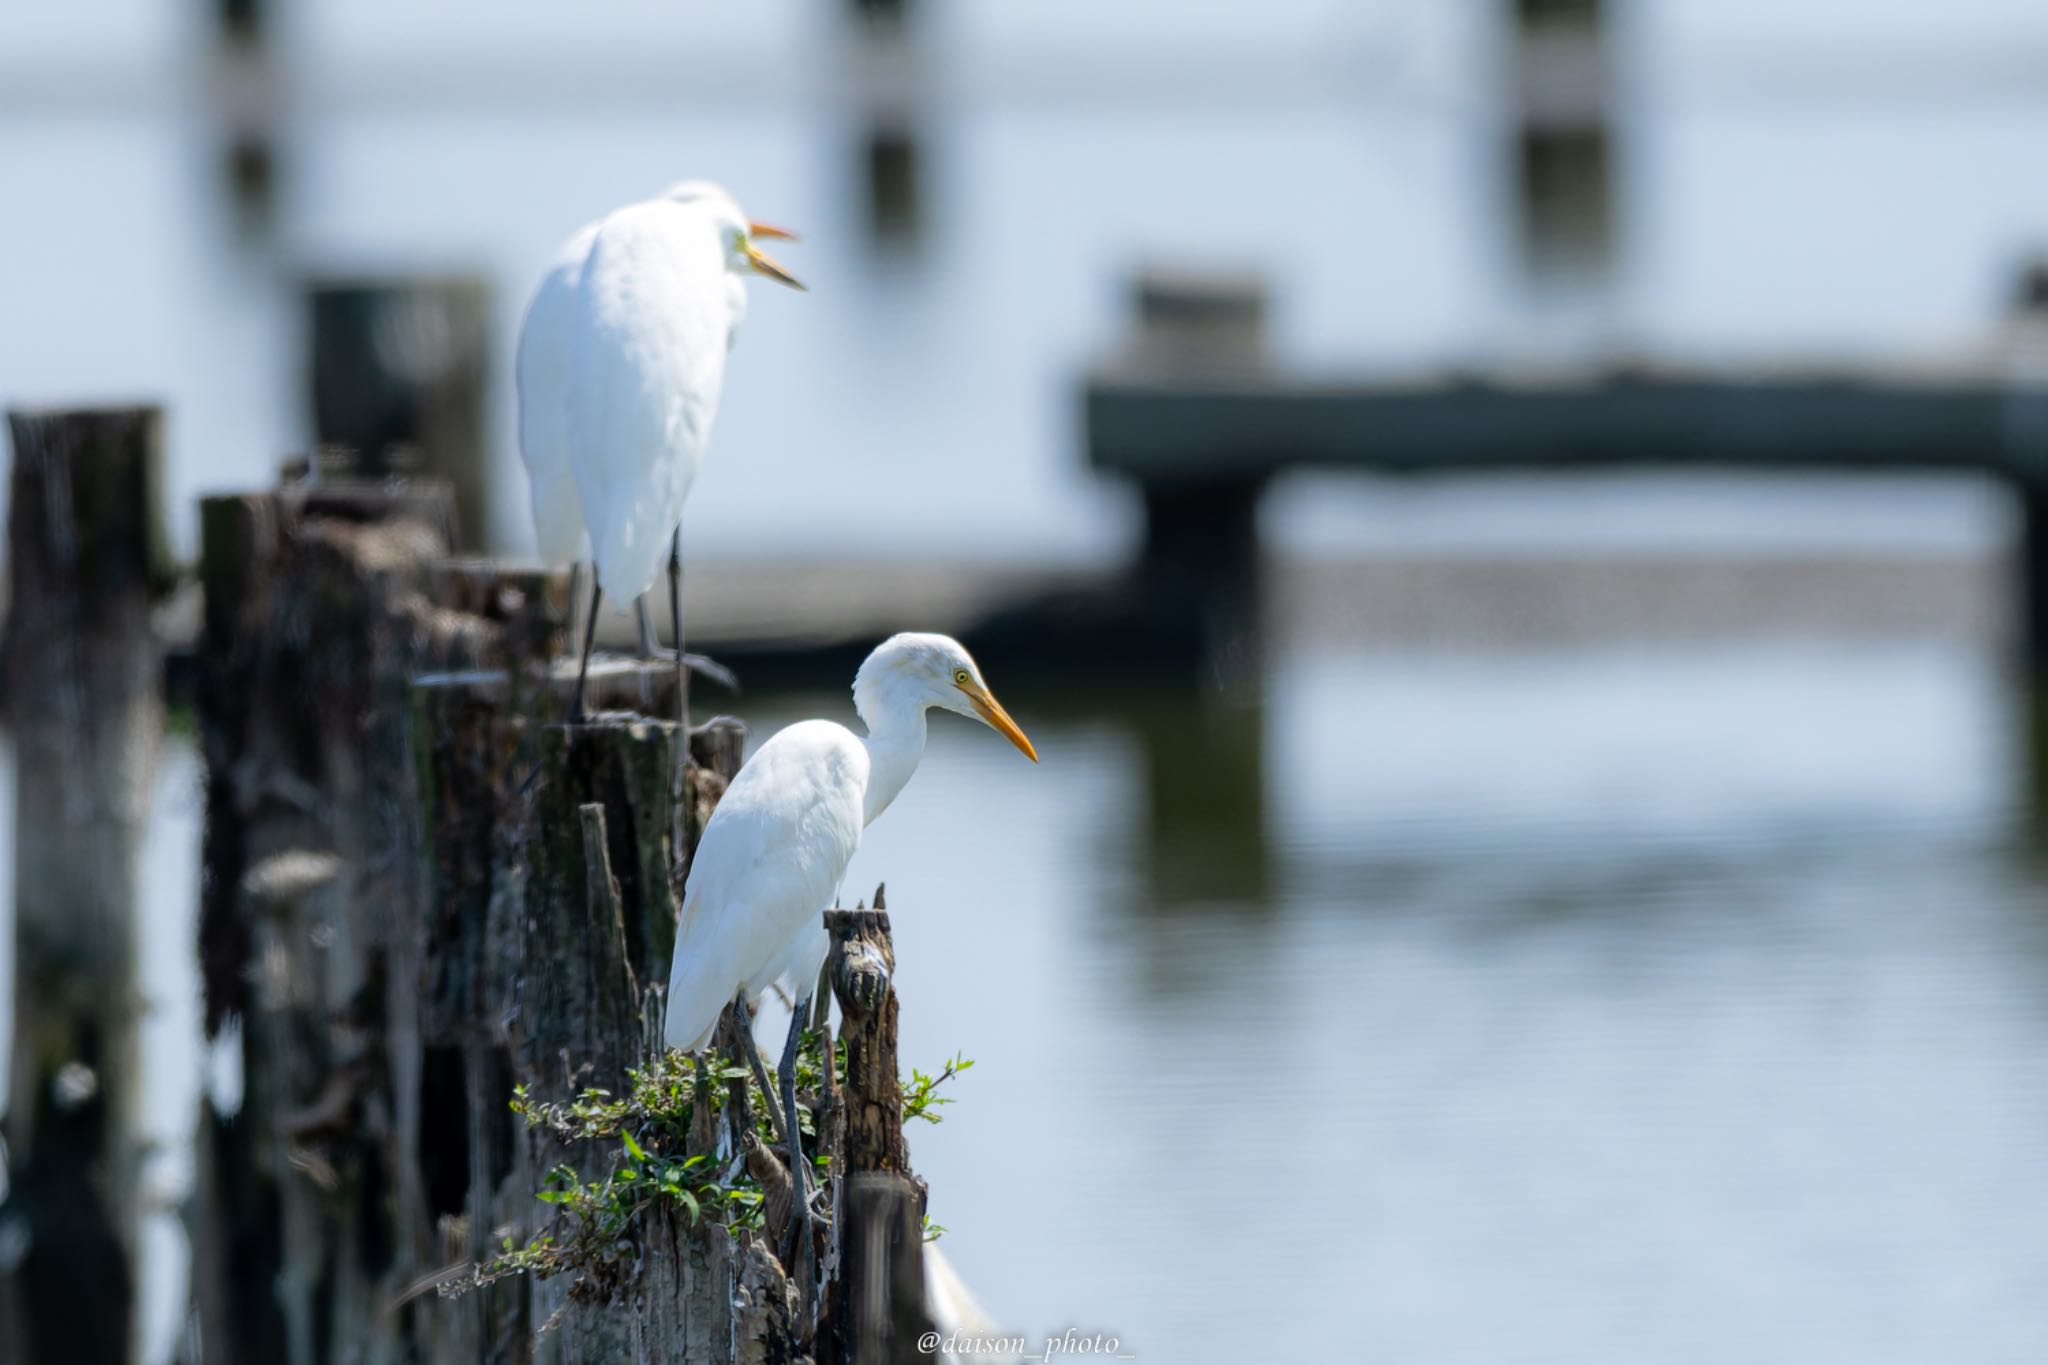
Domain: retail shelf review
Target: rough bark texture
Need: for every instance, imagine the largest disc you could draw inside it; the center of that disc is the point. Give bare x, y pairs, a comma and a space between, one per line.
83, 676
875, 1309
550, 917
862, 967
314, 1216
422, 891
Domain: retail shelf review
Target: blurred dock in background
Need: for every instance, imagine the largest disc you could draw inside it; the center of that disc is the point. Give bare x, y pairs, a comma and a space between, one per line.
1199, 420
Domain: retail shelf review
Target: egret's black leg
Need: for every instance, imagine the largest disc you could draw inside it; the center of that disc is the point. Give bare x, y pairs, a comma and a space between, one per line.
799, 1170
743, 1039
643, 617
675, 624
739, 1115
575, 592
589, 639
679, 772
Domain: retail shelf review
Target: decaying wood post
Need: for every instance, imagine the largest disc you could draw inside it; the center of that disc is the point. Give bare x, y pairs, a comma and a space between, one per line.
676, 1303
550, 915
425, 890
84, 676
312, 1209
875, 1308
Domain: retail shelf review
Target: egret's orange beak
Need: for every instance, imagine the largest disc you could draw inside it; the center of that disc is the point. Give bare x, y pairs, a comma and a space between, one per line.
764, 264
990, 710
772, 232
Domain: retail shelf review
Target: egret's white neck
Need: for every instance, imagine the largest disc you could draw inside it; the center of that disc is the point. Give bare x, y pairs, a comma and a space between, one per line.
895, 719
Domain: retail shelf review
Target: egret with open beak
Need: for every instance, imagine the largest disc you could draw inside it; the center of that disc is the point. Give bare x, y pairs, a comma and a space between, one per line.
621, 360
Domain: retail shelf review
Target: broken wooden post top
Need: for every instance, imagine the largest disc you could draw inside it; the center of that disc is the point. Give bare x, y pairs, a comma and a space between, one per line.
863, 959
620, 690
861, 969
529, 605
858, 921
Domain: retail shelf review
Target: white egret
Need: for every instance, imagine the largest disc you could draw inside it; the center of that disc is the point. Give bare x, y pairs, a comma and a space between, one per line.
621, 358
778, 843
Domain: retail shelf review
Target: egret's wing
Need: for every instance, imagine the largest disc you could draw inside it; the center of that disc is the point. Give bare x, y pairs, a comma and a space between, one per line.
770, 859
542, 376
801, 958
655, 305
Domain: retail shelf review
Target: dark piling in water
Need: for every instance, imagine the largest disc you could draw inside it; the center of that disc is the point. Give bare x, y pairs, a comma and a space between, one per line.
398, 371
84, 676
311, 1214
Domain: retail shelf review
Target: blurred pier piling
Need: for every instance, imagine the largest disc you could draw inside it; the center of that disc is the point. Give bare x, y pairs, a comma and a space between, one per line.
312, 1193
398, 372
84, 672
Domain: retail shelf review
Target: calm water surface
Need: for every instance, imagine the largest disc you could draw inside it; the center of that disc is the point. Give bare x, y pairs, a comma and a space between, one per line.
1687, 1005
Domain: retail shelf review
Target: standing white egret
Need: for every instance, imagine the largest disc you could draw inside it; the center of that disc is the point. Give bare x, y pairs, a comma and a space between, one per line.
778, 843
621, 358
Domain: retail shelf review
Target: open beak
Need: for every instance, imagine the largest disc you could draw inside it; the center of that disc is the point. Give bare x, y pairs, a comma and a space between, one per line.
990, 710
771, 232
764, 264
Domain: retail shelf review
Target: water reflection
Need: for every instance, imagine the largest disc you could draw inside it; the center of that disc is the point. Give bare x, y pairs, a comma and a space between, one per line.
1204, 803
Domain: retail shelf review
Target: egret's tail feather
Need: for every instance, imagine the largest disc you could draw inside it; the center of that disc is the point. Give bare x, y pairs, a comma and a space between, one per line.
955, 1311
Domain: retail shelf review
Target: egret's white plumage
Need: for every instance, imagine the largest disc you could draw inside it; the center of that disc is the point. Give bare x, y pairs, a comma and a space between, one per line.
621, 359
655, 311
772, 857
542, 377
956, 1313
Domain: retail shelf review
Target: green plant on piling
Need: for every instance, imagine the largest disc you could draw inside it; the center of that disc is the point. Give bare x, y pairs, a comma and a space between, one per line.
920, 1093
648, 1165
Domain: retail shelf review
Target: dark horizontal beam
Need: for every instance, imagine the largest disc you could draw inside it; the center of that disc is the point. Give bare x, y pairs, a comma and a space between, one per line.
1156, 432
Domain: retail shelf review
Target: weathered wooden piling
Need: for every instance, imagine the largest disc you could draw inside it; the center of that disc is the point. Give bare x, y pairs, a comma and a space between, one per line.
1560, 109
551, 916
424, 892
311, 1215
875, 1309
83, 676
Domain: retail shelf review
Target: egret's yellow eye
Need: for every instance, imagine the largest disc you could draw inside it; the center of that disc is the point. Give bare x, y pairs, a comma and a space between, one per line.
960, 678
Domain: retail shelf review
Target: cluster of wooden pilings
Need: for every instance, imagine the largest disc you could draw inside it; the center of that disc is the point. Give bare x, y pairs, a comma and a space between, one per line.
421, 888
